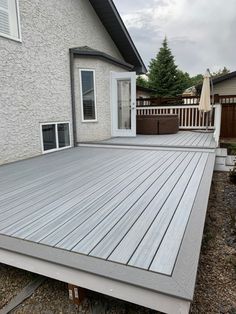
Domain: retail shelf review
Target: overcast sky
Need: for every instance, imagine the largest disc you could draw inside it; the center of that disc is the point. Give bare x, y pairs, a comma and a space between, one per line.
201, 33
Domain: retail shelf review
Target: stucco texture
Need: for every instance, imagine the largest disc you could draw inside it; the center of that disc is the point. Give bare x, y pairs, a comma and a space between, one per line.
35, 74
101, 129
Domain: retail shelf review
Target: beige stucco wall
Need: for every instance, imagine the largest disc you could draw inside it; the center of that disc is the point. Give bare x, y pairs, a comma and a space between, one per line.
101, 129
227, 87
35, 74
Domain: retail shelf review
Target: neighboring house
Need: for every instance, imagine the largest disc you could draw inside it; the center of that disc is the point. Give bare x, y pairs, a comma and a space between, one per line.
191, 91
61, 64
223, 85
145, 92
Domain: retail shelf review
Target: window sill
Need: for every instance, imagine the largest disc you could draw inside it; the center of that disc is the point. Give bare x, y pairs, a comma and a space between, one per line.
89, 121
55, 150
19, 40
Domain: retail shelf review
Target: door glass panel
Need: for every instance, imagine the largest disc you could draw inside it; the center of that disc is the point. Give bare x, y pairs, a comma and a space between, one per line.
49, 136
124, 104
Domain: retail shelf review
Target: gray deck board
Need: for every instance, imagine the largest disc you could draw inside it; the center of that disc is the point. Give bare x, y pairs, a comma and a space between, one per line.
126, 210
47, 172
58, 228
126, 198
98, 192
157, 230
137, 216
116, 207
45, 188
183, 139
72, 195
129, 244
170, 245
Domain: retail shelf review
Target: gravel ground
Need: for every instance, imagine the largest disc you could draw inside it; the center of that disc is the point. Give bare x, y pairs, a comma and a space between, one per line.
216, 282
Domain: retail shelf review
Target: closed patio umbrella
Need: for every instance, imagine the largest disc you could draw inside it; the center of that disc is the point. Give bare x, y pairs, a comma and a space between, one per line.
205, 98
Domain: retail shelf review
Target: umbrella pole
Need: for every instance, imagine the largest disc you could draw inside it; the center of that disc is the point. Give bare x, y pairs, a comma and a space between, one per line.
207, 120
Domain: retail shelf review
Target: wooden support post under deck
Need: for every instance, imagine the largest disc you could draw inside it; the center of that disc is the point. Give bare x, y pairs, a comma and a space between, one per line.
76, 294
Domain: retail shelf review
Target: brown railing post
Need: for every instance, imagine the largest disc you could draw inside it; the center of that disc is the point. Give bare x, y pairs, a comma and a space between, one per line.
216, 98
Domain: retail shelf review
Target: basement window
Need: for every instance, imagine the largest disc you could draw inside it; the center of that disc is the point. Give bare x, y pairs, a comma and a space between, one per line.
9, 19
55, 136
88, 95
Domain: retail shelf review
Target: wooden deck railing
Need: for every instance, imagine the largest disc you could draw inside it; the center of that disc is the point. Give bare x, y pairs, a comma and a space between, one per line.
227, 99
189, 115
167, 101
178, 101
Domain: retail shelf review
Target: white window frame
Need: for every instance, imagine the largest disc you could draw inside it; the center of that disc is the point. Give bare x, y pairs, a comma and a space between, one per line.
19, 38
57, 141
81, 95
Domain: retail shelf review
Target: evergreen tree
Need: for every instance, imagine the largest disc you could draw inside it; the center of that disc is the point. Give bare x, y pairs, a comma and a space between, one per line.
163, 72
183, 81
140, 81
221, 72
197, 79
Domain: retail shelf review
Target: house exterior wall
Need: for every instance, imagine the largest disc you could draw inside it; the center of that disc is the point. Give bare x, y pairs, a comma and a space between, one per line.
35, 73
101, 129
227, 87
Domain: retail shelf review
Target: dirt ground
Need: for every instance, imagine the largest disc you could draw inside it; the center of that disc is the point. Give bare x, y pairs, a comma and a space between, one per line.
216, 281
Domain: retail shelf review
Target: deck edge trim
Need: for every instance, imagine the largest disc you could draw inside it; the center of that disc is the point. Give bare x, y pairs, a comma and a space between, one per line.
113, 288
134, 276
189, 254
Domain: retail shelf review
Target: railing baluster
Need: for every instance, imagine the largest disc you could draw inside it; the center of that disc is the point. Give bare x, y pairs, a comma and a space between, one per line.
189, 116
196, 113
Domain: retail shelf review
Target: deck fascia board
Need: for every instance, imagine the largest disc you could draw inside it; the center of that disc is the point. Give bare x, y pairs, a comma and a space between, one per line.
113, 288
115, 271
186, 266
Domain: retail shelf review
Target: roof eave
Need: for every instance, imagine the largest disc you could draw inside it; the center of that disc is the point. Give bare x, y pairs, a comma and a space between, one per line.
103, 56
119, 33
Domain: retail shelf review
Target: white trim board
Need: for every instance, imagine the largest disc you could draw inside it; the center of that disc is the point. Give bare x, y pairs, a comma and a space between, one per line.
14, 21
120, 290
81, 95
56, 132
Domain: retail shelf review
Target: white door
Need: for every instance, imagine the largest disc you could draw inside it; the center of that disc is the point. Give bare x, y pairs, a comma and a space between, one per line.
123, 98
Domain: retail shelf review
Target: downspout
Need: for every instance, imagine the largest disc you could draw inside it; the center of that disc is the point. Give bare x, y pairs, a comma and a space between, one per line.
73, 111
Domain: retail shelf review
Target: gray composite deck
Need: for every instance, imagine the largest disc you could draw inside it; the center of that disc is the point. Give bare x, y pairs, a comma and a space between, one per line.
129, 210
182, 139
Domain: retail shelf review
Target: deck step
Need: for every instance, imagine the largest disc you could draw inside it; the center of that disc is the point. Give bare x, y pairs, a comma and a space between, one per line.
220, 160
224, 163
230, 160
222, 152
223, 168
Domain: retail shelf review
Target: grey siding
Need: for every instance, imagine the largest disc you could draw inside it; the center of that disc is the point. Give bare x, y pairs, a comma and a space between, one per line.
34, 74
227, 87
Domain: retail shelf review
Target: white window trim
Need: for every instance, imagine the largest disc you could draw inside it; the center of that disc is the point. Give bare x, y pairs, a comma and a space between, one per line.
57, 143
81, 95
18, 39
